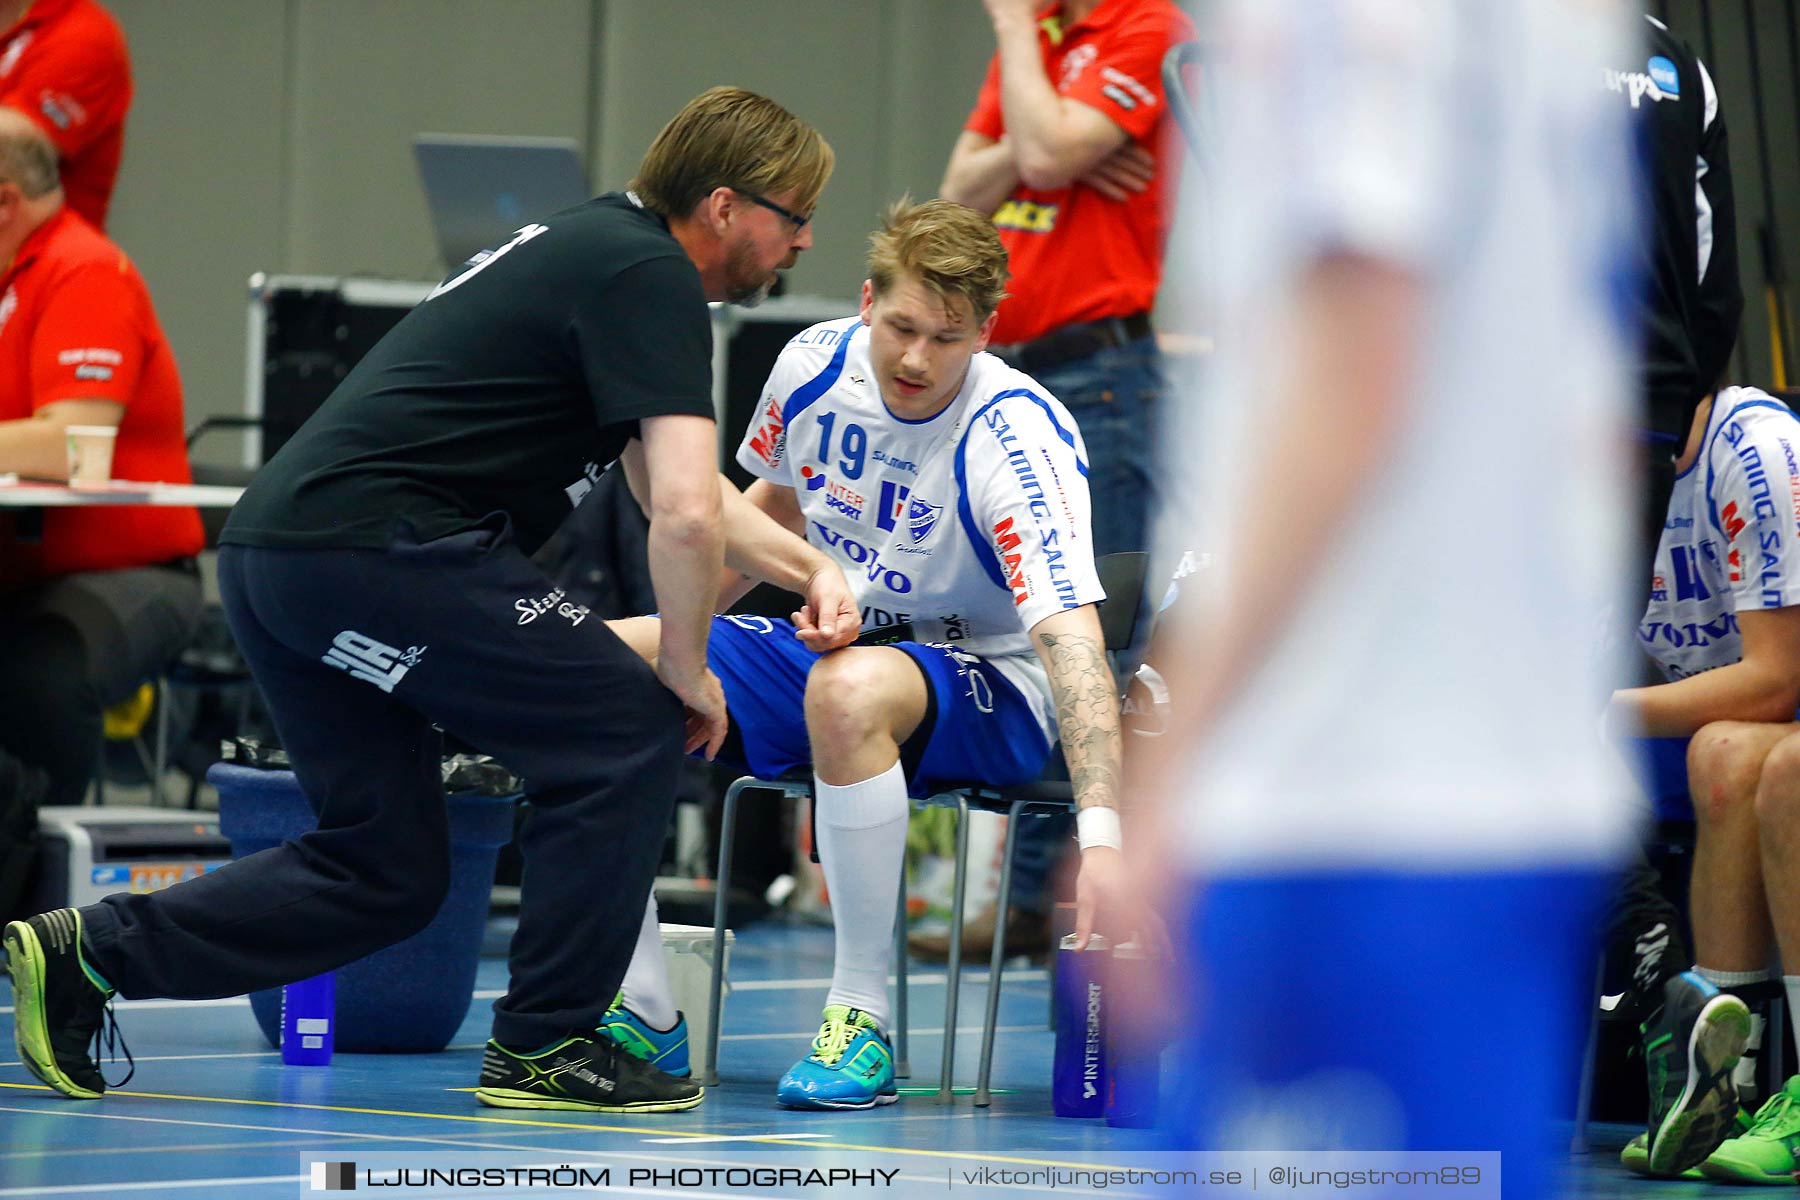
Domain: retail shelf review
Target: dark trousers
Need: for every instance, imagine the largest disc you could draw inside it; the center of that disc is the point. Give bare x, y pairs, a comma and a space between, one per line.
359, 653
73, 646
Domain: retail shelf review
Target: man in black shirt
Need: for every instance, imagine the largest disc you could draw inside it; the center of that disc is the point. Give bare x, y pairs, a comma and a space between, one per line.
376, 577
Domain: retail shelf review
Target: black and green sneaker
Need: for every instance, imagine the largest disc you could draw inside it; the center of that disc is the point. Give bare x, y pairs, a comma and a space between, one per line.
1635, 1157
61, 1005
1691, 1044
583, 1072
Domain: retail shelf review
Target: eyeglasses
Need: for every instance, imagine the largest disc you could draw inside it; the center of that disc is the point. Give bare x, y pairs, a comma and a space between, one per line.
792, 218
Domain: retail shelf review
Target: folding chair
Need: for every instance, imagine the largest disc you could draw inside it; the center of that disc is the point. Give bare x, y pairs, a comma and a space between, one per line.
1122, 576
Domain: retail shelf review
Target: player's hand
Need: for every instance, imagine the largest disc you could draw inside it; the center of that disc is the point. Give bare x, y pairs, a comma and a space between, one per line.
1104, 889
828, 620
1121, 174
704, 699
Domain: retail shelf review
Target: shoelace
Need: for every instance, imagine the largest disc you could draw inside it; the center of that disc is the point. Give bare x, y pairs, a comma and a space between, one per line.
1773, 1109
834, 1038
108, 1040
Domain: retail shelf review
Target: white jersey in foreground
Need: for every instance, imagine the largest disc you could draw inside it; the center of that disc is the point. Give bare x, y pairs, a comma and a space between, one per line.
972, 526
1434, 698
1729, 544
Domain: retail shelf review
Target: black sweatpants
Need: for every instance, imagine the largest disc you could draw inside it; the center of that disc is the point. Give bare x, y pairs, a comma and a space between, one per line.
358, 654
72, 647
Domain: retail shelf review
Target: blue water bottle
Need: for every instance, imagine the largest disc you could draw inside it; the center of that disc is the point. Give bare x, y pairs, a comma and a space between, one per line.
1078, 1082
308, 1012
1133, 1052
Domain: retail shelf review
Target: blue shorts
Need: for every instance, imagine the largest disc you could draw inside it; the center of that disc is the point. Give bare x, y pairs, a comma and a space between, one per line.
1354, 1009
977, 727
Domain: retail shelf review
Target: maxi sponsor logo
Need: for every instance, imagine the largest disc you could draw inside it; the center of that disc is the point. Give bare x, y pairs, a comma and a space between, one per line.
769, 442
867, 558
1768, 549
1008, 540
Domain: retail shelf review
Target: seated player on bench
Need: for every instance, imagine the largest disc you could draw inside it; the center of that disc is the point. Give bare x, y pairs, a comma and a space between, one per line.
950, 489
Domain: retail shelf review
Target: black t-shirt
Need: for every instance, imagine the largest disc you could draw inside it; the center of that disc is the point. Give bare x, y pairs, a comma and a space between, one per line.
508, 390
1690, 302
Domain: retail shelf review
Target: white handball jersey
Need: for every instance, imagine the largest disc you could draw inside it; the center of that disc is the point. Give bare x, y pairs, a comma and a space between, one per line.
1432, 698
1729, 543
972, 525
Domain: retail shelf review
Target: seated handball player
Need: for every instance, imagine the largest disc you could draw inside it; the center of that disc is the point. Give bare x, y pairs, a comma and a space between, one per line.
950, 488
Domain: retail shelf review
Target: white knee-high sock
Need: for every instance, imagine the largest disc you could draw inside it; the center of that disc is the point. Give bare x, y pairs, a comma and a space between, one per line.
862, 846
648, 992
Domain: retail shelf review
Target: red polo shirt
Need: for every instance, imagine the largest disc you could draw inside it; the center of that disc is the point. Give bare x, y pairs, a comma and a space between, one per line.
76, 324
64, 65
1075, 255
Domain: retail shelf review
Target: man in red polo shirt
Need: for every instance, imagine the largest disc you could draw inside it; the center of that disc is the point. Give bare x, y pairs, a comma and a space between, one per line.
93, 601
63, 64
1070, 148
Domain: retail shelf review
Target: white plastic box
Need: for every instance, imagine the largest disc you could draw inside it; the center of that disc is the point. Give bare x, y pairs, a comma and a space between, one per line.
688, 951
89, 851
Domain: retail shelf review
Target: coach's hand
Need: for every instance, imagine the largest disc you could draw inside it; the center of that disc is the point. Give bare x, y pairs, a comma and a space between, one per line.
828, 620
704, 699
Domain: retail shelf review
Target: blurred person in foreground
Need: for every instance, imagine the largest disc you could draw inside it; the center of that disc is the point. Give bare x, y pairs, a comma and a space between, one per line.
1388, 814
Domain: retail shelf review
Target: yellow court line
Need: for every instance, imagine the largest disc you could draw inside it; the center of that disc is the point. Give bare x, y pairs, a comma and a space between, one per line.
968, 1155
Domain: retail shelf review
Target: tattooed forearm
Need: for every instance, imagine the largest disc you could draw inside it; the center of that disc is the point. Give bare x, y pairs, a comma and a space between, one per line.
1087, 714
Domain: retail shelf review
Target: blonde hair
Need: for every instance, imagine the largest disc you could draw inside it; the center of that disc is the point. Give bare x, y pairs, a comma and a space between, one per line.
728, 137
951, 248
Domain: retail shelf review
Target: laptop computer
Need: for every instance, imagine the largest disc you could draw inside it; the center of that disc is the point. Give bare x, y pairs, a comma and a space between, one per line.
481, 188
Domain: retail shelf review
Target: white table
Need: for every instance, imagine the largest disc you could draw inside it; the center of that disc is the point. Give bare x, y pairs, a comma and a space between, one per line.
27, 493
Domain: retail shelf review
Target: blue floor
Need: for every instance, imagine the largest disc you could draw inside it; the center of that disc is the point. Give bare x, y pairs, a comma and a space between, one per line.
212, 1112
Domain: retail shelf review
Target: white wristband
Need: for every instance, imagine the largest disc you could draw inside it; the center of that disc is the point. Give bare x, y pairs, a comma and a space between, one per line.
1098, 827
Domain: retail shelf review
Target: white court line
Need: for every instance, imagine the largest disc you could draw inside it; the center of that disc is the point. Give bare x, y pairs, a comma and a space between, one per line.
734, 1137
159, 1185
121, 1002
1023, 975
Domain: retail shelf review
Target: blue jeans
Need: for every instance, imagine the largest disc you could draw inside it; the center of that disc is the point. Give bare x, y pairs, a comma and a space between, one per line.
1115, 397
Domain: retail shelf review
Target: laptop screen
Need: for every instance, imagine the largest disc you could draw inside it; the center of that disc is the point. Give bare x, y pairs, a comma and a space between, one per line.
480, 189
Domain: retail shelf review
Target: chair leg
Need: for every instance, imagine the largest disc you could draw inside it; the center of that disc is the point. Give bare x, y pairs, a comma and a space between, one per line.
997, 965
161, 757
902, 1060
953, 969
722, 882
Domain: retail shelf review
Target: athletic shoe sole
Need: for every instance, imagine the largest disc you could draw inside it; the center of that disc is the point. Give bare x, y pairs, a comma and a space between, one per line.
509, 1098
1729, 1170
1702, 1118
879, 1098
31, 1030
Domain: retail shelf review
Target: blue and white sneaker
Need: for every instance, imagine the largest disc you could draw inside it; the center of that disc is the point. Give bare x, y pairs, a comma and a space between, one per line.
664, 1049
851, 1065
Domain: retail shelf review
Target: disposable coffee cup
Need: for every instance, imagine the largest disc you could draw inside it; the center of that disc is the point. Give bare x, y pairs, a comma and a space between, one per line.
90, 453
